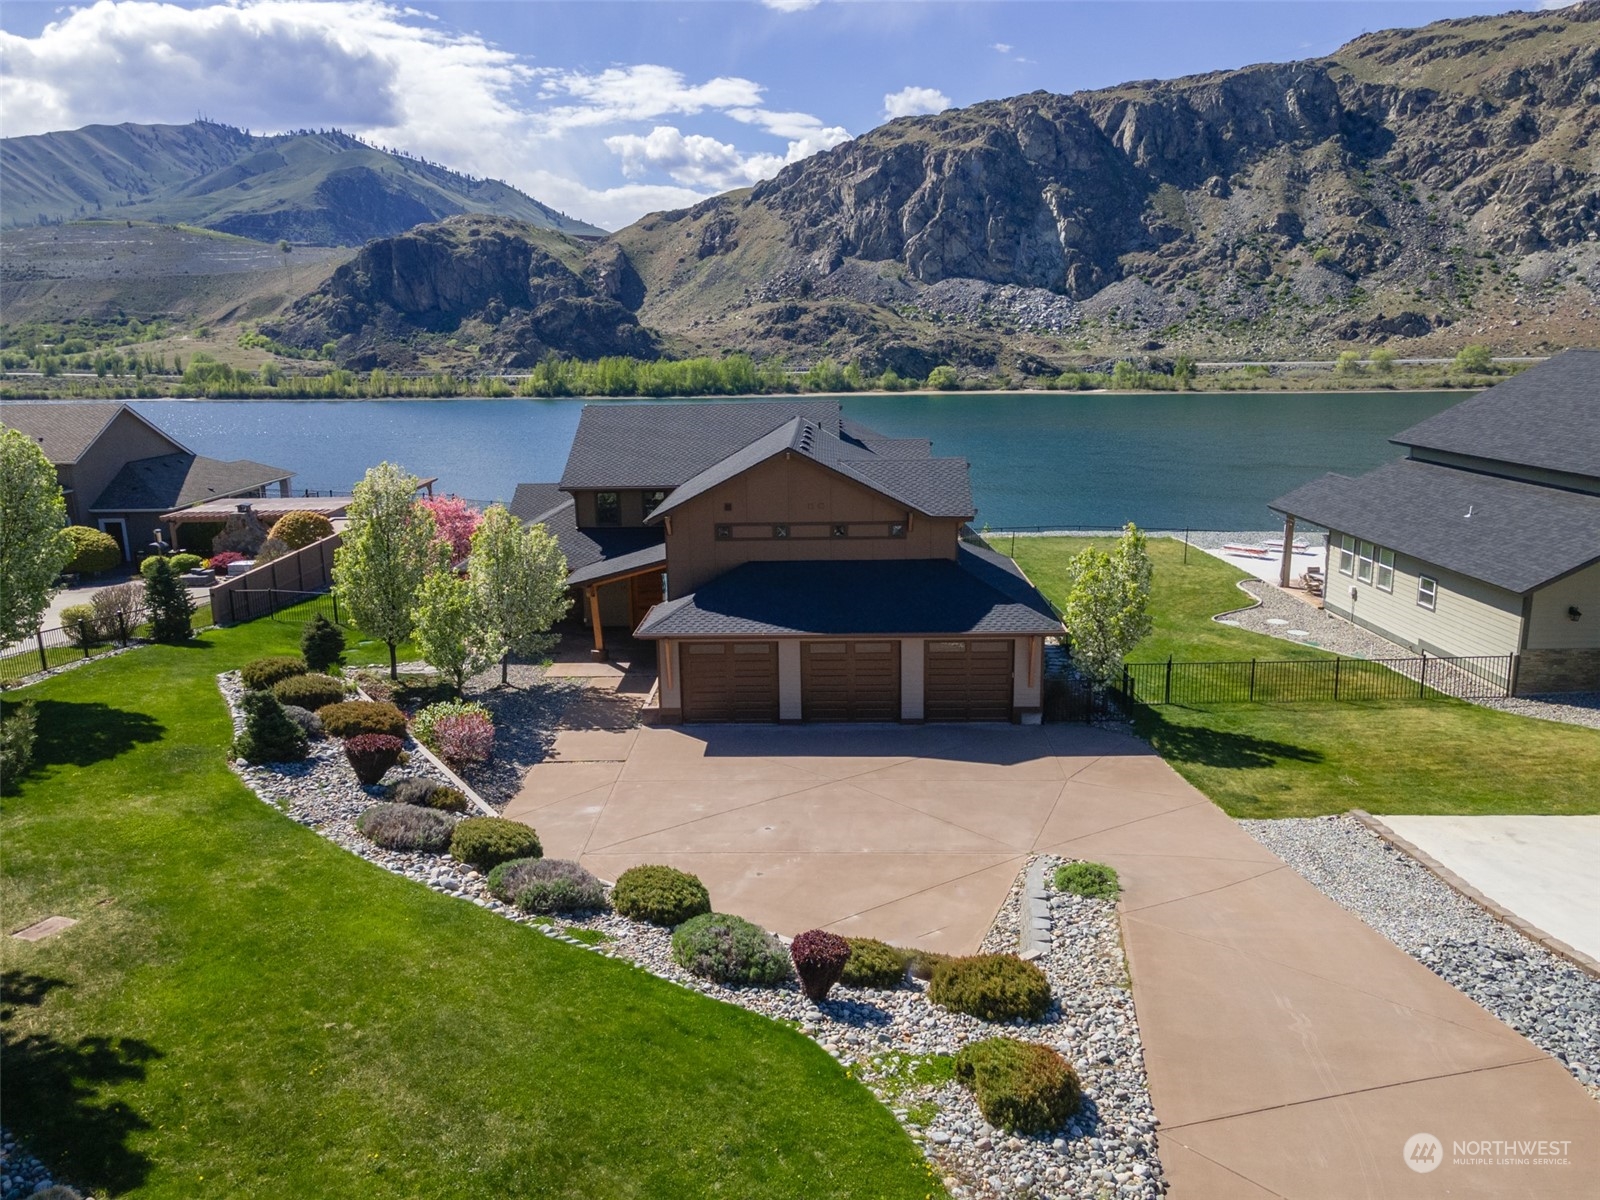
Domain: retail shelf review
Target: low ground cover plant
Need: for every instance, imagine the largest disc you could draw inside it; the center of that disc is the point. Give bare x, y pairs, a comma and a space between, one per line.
351, 717
991, 987
428, 794
312, 690
547, 885
310, 724
730, 950
371, 755
874, 964
486, 842
261, 673
659, 895
406, 827
321, 643
269, 735
819, 958
1019, 1086
1088, 879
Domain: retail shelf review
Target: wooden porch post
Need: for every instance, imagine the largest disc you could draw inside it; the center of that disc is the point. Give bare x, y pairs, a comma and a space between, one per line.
1288, 550
593, 594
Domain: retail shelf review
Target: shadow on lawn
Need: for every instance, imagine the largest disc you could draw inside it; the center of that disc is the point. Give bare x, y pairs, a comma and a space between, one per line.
1216, 747
51, 1093
81, 733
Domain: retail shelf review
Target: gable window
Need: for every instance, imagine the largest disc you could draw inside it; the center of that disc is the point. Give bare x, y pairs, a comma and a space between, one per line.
1385, 570
1427, 593
608, 508
724, 533
1347, 554
652, 501
780, 531
1364, 556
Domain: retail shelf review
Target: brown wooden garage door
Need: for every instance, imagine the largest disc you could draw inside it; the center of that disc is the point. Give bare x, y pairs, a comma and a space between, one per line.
730, 681
968, 680
850, 681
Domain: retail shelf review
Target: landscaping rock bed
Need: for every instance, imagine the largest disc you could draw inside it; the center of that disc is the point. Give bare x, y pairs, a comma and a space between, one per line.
21, 1174
1550, 1001
895, 1041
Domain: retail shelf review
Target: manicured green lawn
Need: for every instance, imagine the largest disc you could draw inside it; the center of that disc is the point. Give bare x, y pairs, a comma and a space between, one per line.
1299, 760
246, 1010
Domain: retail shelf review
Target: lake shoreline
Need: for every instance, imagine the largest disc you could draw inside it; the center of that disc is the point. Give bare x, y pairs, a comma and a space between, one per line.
874, 393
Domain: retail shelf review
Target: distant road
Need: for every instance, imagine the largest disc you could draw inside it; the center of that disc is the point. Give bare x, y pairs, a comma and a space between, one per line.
1328, 362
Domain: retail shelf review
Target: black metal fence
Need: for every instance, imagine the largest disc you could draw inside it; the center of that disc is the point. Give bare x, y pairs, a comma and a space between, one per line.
41, 651
238, 605
1311, 680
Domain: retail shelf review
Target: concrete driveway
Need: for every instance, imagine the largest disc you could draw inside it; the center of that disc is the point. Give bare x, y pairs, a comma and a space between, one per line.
1291, 1050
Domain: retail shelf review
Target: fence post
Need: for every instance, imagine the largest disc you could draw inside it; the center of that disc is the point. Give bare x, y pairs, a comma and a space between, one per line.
272, 602
44, 660
1422, 678
1336, 661
335, 608
1252, 681
1511, 674
1167, 698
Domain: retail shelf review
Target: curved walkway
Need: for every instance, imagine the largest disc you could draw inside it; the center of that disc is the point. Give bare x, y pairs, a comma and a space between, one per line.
1291, 1050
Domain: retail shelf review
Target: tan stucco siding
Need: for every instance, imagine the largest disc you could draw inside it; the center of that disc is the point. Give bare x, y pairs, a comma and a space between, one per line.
1027, 686
810, 499
1550, 626
127, 438
1470, 617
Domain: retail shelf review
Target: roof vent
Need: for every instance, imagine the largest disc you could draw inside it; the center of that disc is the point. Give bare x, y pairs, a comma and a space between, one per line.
244, 508
1470, 509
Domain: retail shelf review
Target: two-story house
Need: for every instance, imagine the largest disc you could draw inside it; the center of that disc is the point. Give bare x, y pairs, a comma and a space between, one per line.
1485, 539
792, 565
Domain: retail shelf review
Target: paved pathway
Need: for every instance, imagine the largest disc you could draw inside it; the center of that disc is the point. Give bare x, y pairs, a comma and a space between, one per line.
1291, 1050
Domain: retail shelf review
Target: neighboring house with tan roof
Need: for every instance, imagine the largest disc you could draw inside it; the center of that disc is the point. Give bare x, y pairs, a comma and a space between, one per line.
792, 565
1485, 539
121, 473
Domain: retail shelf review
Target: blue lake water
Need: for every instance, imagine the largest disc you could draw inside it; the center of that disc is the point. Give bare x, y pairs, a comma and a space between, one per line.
1064, 460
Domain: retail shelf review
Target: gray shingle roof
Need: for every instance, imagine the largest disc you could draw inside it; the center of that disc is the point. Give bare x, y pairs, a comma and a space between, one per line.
533, 500
1519, 537
64, 431
621, 564
171, 481
907, 597
585, 548
662, 445
1548, 416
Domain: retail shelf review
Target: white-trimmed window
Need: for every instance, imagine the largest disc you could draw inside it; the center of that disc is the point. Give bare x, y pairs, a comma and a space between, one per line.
1347, 554
1385, 570
1365, 552
1427, 593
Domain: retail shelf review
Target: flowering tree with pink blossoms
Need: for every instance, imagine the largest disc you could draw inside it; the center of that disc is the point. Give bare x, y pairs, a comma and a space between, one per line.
456, 520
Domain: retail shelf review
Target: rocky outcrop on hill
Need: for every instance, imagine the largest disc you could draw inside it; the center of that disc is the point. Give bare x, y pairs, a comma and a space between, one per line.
499, 283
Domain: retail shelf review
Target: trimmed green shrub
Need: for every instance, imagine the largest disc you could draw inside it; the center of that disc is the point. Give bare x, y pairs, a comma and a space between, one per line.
730, 950
448, 799
18, 732
412, 790
93, 550
261, 674
311, 691
321, 643
991, 987
81, 625
310, 724
1019, 1086
269, 736
819, 958
352, 717
659, 895
486, 842
184, 563
546, 885
923, 963
874, 964
300, 528
406, 827
1088, 879
371, 755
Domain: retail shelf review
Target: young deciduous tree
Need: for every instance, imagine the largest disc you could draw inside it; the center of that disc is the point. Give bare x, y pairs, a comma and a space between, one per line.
520, 578
1475, 358
33, 548
450, 628
1107, 606
389, 546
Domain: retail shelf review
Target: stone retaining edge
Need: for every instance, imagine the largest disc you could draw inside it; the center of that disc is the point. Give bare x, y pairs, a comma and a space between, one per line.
1460, 886
460, 784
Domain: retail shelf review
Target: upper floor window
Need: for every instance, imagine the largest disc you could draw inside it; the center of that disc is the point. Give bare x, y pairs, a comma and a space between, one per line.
1364, 556
652, 501
607, 508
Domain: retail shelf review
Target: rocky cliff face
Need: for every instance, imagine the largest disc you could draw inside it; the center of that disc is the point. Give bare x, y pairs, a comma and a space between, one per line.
515, 292
1419, 185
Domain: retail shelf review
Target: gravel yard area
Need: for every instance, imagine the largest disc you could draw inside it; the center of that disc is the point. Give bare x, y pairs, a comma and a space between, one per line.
895, 1041
1550, 1001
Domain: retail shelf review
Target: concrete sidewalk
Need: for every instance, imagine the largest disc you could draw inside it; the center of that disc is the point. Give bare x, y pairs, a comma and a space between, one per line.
1291, 1050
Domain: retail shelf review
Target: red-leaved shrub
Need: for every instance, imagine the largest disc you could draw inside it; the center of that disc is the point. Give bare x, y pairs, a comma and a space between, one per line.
464, 739
372, 754
220, 562
819, 958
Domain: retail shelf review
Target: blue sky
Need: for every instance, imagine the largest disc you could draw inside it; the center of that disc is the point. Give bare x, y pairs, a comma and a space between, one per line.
608, 109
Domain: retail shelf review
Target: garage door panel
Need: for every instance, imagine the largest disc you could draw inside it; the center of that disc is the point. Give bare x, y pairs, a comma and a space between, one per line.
730, 681
850, 681
968, 680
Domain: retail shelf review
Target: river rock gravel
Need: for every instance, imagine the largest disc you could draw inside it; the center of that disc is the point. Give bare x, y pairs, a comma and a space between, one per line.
883, 1037
1550, 1001
21, 1174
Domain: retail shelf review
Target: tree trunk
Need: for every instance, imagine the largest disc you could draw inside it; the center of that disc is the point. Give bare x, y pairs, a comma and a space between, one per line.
505, 659
394, 665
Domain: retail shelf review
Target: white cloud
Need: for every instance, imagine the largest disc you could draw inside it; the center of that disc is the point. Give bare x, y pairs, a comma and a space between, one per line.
790, 6
401, 77
913, 101
1003, 47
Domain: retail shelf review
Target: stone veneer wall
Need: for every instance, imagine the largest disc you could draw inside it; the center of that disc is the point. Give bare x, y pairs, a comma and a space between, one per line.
1557, 671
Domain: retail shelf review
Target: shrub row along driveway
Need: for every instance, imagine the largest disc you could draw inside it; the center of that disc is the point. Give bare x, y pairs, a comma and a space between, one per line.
1291, 1050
